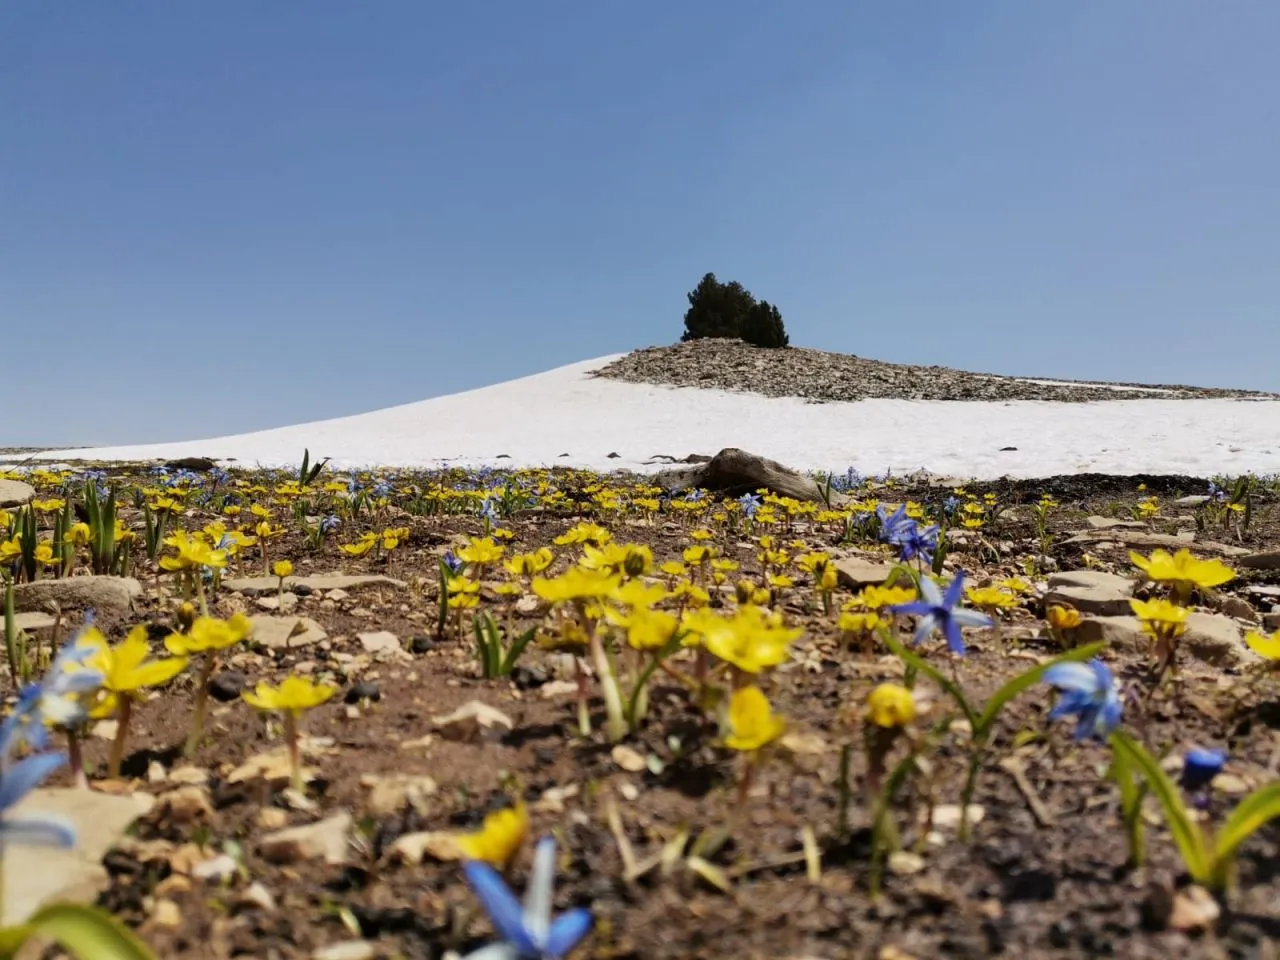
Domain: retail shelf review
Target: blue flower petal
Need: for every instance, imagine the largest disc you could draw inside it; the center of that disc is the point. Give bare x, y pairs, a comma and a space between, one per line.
39, 832
501, 906
1076, 677
955, 640
954, 592
567, 932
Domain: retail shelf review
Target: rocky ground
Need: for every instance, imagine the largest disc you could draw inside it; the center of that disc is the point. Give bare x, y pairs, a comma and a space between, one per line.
222, 860
821, 376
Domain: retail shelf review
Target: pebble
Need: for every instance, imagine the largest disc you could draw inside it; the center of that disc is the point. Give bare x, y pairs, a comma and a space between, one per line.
904, 863
527, 678
421, 644
348, 950
364, 690
227, 685
628, 759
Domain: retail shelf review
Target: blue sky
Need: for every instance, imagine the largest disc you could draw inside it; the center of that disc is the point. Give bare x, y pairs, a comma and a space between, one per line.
222, 217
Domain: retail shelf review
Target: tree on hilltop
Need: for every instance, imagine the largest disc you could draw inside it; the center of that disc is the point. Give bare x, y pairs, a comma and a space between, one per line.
729, 310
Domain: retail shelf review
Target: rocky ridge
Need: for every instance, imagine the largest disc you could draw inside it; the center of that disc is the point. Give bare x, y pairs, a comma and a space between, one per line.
820, 376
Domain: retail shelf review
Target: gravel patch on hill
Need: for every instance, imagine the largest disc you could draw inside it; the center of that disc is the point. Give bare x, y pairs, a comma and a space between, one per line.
821, 376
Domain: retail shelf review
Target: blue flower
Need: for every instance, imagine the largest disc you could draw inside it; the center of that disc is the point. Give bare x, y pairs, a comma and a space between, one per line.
943, 613
893, 526
527, 932
53, 701
1089, 692
452, 562
330, 523
918, 541
15, 783
1200, 767
750, 503
488, 510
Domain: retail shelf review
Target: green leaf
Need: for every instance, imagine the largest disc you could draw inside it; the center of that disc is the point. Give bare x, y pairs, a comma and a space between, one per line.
668, 648
1000, 699
86, 932
921, 665
1255, 810
1190, 840
517, 648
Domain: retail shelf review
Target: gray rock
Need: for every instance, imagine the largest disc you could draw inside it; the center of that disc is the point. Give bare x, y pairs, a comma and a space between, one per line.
1267, 560
326, 839
286, 633
256, 586
1271, 621
856, 573
14, 493
733, 472
38, 875
1122, 633
79, 593
1240, 609
1194, 500
1091, 592
1210, 638
1112, 523
1141, 538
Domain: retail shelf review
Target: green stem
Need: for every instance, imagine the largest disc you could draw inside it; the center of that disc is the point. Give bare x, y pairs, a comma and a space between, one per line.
123, 714
966, 795
201, 705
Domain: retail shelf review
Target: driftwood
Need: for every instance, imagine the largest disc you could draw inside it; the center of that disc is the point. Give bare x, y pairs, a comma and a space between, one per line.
733, 472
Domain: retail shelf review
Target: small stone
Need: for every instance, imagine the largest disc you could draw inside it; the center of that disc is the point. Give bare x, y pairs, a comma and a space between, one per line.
364, 690
272, 818
1230, 785
527, 605
348, 950
556, 689
283, 604
156, 773
326, 839
189, 804
421, 644
219, 868
946, 816
380, 641
256, 895
1267, 560
337, 596
1194, 908
856, 573
1240, 609
904, 863
413, 848
189, 775
93, 592
629, 791
286, 633
390, 795
227, 685
165, 914
1113, 523
628, 759
473, 720
527, 678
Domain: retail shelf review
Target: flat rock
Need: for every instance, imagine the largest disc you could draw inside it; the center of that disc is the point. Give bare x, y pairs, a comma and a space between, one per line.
346, 950
1210, 637
473, 721
90, 592
285, 603
1091, 592
1240, 609
1267, 560
1141, 538
733, 472
856, 573
14, 493
325, 839
379, 641
256, 586
1114, 523
34, 622
38, 875
286, 633
389, 795
413, 848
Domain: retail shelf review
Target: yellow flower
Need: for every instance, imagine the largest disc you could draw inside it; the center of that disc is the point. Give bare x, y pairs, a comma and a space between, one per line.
193, 553
891, 706
991, 598
750, 641
1182, 570
529, 564
464, 593
125, 668
265, 530
1160, 617
209, 633
629, 560
752, 723
293, 696
282, 569
674, 568
637, 594
698, 553
1266, 647
51, 505
360, 547
481, 552
499, 839
584, 533
651, 629
859, 622
10, 550
44, 554
576, 584
79, 534
877, 598
1062, 618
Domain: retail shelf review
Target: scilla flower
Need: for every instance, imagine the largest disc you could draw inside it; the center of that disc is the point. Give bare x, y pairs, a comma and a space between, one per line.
528, 932
1089, 692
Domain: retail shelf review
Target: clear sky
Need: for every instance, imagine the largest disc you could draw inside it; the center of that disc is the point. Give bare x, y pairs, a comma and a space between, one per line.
226, 216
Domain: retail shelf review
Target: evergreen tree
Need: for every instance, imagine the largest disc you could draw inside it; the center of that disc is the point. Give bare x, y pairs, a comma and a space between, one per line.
729, 310
763, 326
